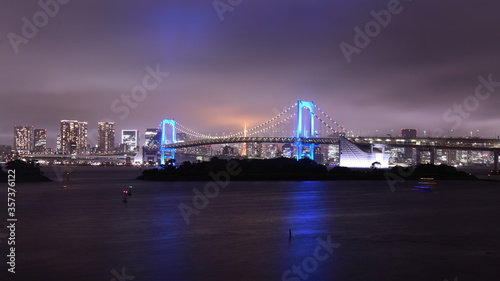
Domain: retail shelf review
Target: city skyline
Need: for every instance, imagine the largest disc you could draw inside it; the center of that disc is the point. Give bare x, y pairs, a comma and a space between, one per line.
31, 139
215, 72
150, 132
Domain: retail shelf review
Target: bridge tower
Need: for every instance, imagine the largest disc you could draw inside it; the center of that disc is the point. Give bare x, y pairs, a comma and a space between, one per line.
168, 136
304, 128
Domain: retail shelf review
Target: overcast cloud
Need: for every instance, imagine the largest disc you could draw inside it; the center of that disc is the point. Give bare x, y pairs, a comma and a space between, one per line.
264, 56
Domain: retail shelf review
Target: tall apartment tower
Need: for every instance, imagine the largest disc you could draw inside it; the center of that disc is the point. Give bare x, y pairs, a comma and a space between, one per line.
83, 139
40, 144
149, 135
130, 139
73, 138
106, 136
23, 139
58, 143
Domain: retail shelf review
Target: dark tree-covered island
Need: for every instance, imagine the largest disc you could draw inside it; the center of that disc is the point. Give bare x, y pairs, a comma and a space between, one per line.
291, 169
24, 171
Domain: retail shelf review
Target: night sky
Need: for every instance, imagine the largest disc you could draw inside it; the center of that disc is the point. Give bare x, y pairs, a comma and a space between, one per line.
261, 58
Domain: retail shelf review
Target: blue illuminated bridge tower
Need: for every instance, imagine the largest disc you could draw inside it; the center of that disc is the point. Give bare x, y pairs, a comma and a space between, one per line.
168, 136
302, 132
304, 128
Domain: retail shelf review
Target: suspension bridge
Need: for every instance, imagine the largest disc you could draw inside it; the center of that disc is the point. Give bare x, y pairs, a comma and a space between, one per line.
305, 130
303, 125
306, 127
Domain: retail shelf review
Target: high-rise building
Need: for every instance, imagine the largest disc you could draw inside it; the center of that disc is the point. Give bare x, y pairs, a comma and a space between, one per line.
106, 136
149, 135
409, 133
40, 140
254, 149
204, 150
73, 139
83, 139
130, 139
333, 154
287, 149
23, 139
229, 150
270, 150
319, 155
58, 143
69, 134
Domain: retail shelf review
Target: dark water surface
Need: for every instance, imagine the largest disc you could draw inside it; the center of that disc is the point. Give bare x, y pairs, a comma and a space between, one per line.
86, 232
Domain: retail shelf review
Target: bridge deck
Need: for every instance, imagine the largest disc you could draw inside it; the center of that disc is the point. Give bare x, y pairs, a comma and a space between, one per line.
252, 140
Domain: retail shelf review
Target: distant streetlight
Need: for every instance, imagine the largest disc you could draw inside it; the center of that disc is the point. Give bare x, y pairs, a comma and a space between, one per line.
425, 134
451, 133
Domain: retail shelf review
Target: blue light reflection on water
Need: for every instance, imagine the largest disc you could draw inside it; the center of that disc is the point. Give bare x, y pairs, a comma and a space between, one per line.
241, 228
85, 231
310, 218
307, 208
